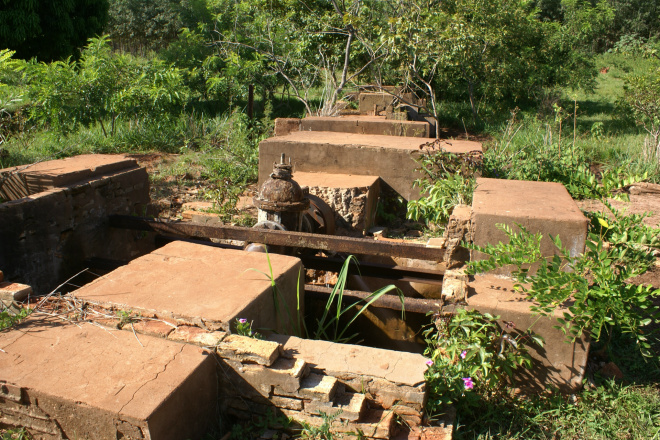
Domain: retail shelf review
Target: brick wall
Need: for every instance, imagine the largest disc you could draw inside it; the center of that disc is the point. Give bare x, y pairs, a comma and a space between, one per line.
45, 237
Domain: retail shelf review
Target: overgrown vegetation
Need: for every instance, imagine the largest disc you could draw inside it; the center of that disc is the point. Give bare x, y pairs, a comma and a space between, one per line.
470, 352
564, 91
595, 282
12, 315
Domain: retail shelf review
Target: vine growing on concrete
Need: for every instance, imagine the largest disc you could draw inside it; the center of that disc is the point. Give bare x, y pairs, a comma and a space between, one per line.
595, 287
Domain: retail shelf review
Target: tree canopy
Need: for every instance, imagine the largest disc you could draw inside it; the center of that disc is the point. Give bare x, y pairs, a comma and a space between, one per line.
50, 30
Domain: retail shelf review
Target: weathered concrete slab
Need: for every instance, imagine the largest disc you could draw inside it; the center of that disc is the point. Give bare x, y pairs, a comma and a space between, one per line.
352, 198
538, 206
390, 157
66, 381
366, 125
43, 176
558, 363
196, 282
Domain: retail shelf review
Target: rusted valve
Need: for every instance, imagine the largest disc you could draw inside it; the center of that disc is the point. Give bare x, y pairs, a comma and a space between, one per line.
281, 201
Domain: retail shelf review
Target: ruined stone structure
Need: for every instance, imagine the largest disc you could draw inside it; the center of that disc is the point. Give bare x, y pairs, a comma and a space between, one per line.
57, 215
150, 351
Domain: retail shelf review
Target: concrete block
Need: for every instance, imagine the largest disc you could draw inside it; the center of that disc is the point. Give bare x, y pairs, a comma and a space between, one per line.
45, 250
238, 385
393, 366
389, 395
558, 363
25, 181
196, 335
243, 348
392, 158
379, 101
287, 403
458, 230
353, 198
538, 206
283, 373
14, 291
202, 283
284, 126
317, 387
157, 328
428, 433
376, 424
454, 286
87, 382
366, 125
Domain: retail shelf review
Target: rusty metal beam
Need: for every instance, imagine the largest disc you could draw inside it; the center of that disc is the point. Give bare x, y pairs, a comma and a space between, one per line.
329, 243
367, 269
393, 302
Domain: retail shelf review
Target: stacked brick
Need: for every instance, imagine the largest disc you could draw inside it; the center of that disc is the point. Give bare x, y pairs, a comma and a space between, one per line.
263, 377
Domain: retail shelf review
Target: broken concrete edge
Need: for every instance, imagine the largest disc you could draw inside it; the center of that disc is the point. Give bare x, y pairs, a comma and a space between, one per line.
146, 314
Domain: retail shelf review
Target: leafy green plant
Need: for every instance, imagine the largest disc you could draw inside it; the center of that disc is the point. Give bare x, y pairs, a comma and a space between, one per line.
125, 318
447, 180
244, 328
641, 100
12, 315
336, 317
256, 428
103, 87
470, 352
593, 286
332, 326
321, 432
528, 150
15, 434
224, 197
610, 411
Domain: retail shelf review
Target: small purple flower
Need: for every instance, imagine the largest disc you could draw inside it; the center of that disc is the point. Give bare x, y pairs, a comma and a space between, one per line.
463, 354
242, 320
429, 362
467, 382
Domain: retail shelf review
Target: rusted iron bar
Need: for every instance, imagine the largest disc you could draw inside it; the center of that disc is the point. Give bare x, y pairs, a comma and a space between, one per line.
367, 269
392, 302
329, 243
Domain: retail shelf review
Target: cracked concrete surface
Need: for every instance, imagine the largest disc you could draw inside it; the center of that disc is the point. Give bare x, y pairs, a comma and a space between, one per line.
85, 378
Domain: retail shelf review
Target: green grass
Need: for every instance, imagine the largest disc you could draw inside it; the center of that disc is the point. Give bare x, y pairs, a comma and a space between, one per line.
610, 411
604, 134
628, 409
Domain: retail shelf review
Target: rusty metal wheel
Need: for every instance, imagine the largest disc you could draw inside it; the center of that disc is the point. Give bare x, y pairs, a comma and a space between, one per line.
319, 218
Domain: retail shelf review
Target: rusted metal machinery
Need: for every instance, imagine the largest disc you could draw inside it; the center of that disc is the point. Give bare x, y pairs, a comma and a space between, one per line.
283, 205
281, 202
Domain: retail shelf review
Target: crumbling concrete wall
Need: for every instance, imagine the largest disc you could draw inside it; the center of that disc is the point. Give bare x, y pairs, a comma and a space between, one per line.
364, 389
46, 237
